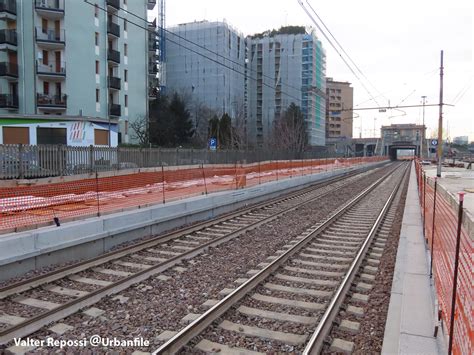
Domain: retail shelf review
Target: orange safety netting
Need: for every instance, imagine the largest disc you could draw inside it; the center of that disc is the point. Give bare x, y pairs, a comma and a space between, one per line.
443, 250
36, 205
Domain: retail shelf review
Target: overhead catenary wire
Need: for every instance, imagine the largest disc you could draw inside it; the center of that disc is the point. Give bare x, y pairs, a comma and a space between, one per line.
344, 51
194, 51
337, 51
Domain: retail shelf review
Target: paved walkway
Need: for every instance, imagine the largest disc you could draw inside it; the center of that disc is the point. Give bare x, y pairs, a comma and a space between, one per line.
410, 321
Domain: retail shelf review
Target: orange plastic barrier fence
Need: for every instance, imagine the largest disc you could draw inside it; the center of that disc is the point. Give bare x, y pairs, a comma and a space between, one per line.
443, 250
27, 207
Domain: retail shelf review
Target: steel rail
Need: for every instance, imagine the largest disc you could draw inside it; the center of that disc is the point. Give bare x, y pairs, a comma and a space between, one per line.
179, 340
34, 323
59, 273
316, 342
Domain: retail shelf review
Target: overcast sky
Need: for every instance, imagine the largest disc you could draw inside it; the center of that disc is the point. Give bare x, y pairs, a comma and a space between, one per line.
396, 44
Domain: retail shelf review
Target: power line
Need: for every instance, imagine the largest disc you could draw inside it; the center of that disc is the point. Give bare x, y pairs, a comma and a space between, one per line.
210, 51
340, 55
194, 51
389, 107
343, 50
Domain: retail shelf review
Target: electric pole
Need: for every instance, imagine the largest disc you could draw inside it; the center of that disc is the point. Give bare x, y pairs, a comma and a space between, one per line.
440, 120
423, 129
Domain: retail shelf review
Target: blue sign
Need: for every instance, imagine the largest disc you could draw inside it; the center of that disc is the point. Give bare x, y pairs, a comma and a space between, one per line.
213, 143
434, 142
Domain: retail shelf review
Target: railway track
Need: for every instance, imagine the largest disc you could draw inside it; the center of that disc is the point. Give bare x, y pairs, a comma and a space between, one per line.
28, 305
291, 303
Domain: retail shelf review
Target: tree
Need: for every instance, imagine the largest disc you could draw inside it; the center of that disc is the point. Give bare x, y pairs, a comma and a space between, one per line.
225, 131
290, 130
183, 125
161, 124
140, 130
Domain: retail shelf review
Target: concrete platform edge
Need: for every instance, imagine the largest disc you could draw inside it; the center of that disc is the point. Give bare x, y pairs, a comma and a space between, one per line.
411, 321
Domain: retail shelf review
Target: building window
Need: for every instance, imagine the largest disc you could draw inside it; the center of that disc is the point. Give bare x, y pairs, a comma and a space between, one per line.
125, 2
97, 95
125, 50
97, 67
126, 100
125, 24
96, 38
96, 10
125, 75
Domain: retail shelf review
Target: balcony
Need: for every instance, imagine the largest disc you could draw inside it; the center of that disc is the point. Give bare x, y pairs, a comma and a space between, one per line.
152, 69
152, 92
51, 9
115, 110
152, 45
51, 101
113, 29
8, 38
9, 101
51, 69
151, 4
114, 4
9, 70
113, 56
8, 9
114, 82
50, 38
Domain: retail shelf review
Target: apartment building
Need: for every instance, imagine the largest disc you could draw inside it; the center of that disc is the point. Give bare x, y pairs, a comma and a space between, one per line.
340, 96
257, 76
286, 66
75, 58
192, 68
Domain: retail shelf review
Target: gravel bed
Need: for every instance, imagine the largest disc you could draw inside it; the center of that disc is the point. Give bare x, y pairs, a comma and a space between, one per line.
369, 340
162, 304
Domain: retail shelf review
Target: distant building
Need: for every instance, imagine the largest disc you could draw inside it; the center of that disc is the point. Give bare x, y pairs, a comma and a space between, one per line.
402, 136
71, 58
192, 70
285, 66
339, 96
461, 140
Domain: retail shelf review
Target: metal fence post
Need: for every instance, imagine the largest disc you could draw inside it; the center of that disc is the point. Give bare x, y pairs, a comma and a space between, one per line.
97, 192
204, 178
455, 276
20, 162
424, 203
163, 183
91, 158
118, 157
433, 226
60, 158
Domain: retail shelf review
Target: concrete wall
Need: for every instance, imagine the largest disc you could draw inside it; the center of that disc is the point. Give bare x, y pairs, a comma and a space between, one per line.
25, 251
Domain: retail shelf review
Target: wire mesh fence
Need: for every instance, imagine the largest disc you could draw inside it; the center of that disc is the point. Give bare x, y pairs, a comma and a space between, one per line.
30, 204
440, 219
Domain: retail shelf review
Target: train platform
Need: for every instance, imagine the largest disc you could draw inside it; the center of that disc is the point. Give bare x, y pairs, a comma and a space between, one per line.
416, 298
410, 320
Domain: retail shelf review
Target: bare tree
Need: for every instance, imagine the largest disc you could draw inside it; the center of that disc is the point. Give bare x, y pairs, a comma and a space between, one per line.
239, 128
289, 131
140, 130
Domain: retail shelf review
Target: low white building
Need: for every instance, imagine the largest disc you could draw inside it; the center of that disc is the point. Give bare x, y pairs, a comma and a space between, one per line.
75, 131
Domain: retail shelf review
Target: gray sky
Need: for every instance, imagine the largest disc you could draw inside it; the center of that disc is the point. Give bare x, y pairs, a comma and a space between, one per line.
396, 44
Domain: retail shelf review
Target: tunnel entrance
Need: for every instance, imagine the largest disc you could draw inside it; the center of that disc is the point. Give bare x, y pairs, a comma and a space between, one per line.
401, 152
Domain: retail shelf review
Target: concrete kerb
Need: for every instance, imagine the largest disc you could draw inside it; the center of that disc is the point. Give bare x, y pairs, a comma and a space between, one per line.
24, 251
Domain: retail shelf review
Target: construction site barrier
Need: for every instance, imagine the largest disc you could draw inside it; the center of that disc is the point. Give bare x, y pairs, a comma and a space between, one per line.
440, 219
35, 203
